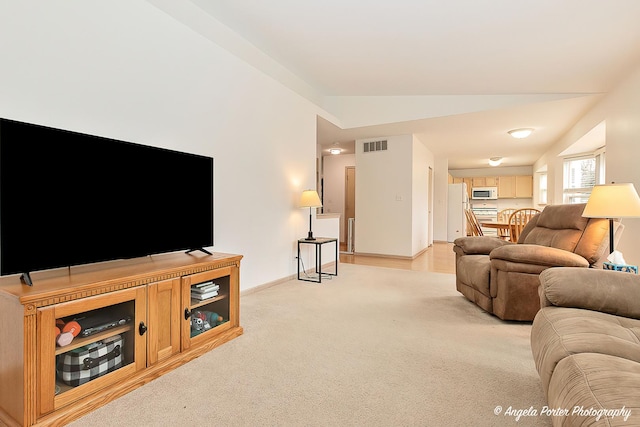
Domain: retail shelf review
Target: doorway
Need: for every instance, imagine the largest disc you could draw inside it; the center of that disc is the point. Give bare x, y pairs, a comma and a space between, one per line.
430, 207
350, 207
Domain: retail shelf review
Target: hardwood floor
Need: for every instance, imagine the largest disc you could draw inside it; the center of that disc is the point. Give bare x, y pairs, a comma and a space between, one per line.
439, 258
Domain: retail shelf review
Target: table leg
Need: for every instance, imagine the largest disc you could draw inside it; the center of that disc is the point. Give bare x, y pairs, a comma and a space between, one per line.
319, 262
298, 260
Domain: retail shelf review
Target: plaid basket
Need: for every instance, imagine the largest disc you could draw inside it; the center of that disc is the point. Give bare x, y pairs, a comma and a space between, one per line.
84, 364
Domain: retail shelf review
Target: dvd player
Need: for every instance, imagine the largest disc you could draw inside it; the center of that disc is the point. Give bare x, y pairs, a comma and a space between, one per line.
100, 321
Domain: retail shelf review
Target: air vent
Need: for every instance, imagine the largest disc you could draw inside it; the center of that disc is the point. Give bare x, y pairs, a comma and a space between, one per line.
375, 146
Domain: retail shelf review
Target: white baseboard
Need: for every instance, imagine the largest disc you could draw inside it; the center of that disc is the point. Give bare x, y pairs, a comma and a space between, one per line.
284, 279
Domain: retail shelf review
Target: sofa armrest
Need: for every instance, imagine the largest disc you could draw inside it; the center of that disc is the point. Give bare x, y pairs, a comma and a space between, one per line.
538, 255
612, 292
478, 245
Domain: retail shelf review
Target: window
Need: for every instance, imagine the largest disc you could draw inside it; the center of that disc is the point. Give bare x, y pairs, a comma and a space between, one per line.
581, 174
542, 185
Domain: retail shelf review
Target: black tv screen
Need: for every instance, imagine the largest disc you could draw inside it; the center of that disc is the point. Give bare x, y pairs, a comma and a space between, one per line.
68, 198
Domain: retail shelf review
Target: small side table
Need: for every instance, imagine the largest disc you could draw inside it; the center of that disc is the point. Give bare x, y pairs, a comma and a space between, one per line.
318, 242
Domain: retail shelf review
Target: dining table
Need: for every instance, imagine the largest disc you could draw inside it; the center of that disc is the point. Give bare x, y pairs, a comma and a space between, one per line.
502, 227
497, 225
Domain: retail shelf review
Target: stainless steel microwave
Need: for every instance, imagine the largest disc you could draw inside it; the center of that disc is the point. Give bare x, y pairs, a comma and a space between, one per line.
484, 193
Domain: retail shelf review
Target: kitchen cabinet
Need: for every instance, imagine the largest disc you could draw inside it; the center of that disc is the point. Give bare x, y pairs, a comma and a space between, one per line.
519, 186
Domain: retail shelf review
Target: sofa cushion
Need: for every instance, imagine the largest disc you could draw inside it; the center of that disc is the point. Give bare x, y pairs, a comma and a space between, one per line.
559, 332
596, 390
523, 254
559, 226
564, 227
477, 245
612, 292
594, 243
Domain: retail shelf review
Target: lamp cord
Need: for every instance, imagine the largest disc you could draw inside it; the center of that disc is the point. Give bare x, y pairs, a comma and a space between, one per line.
304, 270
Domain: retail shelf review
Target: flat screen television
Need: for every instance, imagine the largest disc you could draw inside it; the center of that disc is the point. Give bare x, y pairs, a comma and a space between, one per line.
68, 198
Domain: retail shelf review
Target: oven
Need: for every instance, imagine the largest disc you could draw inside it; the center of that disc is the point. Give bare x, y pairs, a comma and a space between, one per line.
486, 212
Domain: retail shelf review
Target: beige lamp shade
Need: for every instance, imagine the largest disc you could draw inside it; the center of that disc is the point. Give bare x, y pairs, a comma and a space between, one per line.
310, 199
613, 201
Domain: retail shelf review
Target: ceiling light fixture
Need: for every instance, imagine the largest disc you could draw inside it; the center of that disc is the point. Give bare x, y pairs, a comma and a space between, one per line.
520, 133
335, 151
495, 161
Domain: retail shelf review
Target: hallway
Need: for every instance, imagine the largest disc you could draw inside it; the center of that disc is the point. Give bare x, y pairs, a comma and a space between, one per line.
438, 258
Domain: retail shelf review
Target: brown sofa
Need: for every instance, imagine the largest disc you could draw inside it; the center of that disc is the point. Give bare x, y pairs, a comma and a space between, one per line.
585, 342
502, 277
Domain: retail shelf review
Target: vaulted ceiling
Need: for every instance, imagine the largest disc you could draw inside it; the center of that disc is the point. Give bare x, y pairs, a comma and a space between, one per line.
457, 73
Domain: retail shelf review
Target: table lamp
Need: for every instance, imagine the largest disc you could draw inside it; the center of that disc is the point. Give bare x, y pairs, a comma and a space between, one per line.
310, 199
613, 201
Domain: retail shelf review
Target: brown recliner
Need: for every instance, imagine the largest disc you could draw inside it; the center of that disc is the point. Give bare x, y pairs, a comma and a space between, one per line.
502, 277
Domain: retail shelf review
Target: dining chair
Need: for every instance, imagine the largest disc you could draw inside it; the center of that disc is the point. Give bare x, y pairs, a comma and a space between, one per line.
503, 217
473, 224
518, 219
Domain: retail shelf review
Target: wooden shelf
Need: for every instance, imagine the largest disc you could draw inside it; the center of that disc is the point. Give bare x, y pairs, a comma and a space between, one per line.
195, 303
79, 342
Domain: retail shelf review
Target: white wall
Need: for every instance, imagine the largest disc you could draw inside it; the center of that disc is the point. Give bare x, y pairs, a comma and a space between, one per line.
621, 110
420, 193
623, 152
126, 70
392, 197
383, 198
440, 199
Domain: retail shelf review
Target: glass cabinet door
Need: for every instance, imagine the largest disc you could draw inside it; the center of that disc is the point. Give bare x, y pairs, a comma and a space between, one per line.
208, 310
88, 344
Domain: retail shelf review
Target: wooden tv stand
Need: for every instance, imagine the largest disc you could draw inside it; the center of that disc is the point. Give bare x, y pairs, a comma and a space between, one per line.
156, 292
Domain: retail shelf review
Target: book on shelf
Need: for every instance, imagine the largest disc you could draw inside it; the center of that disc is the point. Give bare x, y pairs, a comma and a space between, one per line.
204, 295
203, 284
205, 289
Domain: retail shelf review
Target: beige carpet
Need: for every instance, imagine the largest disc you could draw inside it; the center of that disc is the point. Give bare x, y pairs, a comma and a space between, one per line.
372, 347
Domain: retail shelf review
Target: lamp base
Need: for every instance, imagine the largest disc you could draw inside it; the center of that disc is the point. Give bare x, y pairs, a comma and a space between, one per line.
310, 236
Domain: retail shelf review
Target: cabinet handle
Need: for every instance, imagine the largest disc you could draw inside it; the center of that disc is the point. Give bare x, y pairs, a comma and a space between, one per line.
187, 313
142, 328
